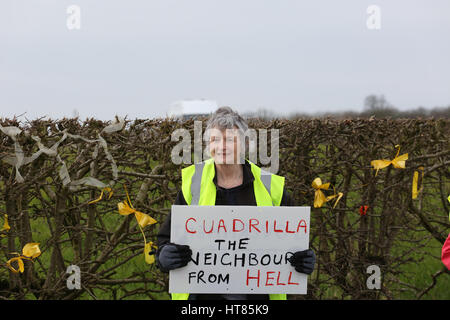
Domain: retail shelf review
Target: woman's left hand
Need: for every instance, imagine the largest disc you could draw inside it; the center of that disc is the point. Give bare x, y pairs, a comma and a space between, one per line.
303, 261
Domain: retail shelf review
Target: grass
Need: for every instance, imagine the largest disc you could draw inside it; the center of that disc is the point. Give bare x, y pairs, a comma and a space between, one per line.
418, 274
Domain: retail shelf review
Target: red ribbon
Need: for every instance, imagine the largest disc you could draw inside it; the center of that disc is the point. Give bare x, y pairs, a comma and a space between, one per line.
363, 210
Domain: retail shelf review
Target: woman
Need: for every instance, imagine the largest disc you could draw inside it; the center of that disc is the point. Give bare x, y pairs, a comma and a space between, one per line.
234, 182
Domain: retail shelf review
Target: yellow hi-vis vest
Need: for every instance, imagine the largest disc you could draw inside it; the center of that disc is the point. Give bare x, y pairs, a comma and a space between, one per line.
199, 189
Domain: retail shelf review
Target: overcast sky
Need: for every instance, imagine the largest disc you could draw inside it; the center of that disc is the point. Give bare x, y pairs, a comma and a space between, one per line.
137, 57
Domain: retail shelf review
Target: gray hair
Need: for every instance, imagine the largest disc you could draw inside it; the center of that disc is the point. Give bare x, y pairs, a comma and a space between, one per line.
227, 118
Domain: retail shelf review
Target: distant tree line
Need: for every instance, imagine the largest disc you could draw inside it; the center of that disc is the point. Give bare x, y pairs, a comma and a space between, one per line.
374, 106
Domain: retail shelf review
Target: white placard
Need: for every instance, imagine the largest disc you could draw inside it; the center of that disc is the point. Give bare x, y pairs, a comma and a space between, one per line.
239, 249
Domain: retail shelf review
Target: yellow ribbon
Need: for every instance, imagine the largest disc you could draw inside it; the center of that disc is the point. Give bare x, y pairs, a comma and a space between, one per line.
125, 208
107, 189
319, 196
149, 253
29, 252
449, 211
6, 226
415, 192
397, 162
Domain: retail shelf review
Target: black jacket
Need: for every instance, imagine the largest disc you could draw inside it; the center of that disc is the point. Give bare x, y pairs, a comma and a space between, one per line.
242, 195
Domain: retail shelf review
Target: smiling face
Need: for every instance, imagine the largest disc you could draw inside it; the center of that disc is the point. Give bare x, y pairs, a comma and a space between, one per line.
224, 145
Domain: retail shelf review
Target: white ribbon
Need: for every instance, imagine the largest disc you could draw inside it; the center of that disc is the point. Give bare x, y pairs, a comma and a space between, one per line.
18, 159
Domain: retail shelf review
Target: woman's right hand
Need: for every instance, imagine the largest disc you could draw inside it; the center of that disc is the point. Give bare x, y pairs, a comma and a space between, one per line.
172, 256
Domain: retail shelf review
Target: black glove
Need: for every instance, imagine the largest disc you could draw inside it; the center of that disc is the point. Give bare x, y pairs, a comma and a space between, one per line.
171, 256
303, 261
